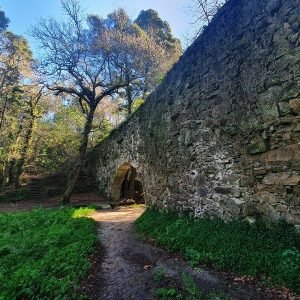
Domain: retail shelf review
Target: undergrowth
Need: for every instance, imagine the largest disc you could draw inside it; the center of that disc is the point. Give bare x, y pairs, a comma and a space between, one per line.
44, 253
14, 196
270, 254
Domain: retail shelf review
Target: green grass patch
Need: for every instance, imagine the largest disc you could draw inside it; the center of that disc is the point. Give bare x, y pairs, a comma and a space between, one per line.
83, 212
166, 293
271, 254
44, 253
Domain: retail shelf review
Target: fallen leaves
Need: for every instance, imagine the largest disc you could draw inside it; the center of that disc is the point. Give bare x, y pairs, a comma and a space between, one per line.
147, 267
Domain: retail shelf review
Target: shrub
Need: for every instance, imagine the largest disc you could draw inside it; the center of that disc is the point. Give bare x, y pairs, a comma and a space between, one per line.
17, 195
272, 254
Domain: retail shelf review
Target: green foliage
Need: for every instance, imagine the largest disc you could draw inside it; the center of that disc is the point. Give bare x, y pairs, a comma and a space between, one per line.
83, 212
137, 104
272, 254
56, 140
150, 21
43, 253
14, 196
166, 293
159, 275
190, 287
54, 191
4, 21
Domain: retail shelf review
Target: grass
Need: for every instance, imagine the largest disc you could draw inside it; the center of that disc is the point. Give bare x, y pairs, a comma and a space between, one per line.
167, 293
185, 289
44, 253
270, 254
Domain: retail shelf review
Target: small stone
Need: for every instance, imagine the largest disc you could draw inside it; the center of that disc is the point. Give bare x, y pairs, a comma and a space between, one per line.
297, 190
296, 166
295, 105
283, 108
295, 210
259, 171
281, 208
259, 147
238, 201
251, 220
294, 37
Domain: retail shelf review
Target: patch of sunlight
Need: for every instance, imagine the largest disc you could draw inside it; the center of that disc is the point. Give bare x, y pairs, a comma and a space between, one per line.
83, 212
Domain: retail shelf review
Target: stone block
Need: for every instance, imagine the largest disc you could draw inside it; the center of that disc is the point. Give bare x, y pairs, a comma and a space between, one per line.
238, 201
222, 190
294, 104
276, 189
259, 171
297, 190
284, 178
281, 208
280, 168
296, 166
287, 153
284, 109
259, 147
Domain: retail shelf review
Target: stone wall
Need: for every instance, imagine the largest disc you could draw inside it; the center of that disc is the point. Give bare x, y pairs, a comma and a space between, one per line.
221, 135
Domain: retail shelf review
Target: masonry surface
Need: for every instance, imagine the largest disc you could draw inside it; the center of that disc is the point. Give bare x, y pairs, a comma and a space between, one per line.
221, 135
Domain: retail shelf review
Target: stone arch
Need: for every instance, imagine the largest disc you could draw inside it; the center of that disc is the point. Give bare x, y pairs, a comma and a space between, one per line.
125, 183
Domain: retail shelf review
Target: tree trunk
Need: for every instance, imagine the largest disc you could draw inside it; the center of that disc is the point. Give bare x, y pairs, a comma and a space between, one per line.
74, 175
24, 150
129, 98
10, 177
2, 112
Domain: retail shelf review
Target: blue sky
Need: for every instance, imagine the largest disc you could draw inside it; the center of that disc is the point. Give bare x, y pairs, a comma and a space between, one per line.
23, 13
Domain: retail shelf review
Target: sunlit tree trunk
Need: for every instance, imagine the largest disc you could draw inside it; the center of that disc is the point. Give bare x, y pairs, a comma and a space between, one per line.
74, 175
2, 112
19, 164
10, 177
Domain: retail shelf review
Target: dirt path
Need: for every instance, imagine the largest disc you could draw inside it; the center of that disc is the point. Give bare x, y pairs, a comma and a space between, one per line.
134, 269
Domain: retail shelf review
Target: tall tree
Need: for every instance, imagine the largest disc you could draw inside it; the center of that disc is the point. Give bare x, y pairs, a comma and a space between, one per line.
123, 46
77, 67
160, 36
150, 21
31, 95
143, 56
15, 58
4, 21
15, 65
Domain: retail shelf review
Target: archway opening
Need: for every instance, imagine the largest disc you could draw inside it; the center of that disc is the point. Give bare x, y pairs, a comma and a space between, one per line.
127, 188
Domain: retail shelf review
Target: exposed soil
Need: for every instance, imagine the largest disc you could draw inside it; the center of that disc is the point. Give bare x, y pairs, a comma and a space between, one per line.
128, 268
76, 200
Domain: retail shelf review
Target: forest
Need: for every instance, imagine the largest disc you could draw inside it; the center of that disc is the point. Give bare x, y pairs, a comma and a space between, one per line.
94, 72
127, 170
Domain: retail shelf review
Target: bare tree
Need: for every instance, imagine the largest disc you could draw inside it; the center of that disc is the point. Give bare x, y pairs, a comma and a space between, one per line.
202, 12
78, 68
